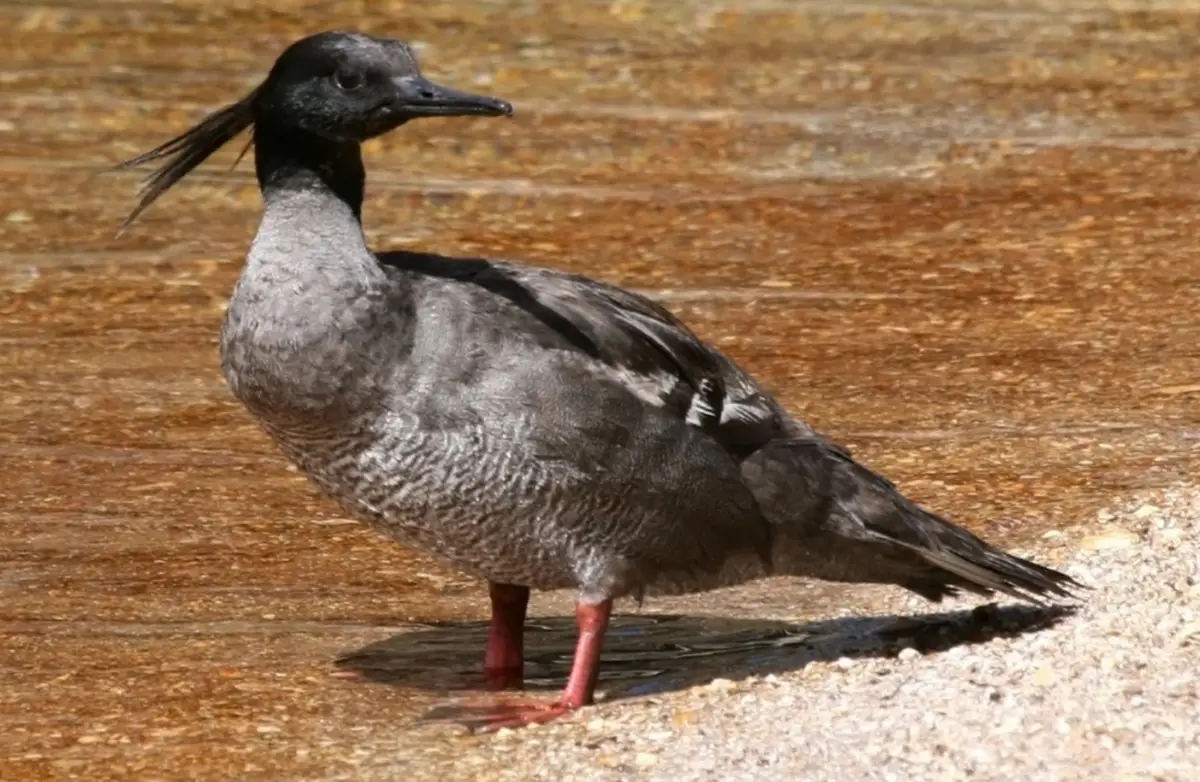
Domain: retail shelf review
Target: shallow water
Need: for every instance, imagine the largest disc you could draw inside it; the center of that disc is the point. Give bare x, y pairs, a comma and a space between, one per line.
959, 238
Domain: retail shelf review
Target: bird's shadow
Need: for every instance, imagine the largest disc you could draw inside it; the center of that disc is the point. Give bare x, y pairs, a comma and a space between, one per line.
650, 654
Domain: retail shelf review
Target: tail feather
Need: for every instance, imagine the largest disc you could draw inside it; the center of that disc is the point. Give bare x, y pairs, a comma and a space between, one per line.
837, 520
1018, 582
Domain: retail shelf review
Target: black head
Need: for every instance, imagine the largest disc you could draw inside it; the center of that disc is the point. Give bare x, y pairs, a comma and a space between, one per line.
336, 87
351, 87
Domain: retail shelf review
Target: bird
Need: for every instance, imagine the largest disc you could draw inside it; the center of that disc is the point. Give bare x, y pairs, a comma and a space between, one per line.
533, 428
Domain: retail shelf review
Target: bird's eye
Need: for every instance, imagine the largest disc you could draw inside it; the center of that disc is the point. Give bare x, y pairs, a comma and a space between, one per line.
348, 80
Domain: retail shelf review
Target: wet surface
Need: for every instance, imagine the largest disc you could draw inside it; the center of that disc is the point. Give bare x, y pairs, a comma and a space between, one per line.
652, 654
960, 238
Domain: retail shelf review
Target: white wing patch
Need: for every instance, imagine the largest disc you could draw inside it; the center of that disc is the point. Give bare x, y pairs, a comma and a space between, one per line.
751, 411
652, 389
705, 409
713, 408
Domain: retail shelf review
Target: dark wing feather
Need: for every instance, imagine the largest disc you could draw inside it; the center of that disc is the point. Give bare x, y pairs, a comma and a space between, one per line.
631, 333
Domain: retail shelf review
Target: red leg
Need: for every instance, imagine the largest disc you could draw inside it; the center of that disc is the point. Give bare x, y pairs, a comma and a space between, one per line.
581, 685
593, 623
504, 660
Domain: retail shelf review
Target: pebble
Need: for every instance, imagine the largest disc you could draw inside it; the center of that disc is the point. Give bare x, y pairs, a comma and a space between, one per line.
1109, 541
908, 654
683, 717
1170, 535
645, 760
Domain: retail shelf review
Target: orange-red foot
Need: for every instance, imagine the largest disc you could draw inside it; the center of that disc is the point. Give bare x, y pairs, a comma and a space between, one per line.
490, 715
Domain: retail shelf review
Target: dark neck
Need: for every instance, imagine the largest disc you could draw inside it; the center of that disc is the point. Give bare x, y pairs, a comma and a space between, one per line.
296, 160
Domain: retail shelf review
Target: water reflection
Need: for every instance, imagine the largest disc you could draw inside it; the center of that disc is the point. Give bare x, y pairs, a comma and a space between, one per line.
650, 654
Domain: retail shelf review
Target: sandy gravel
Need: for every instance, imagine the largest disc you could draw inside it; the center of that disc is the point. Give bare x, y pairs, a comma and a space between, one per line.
1109, 693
